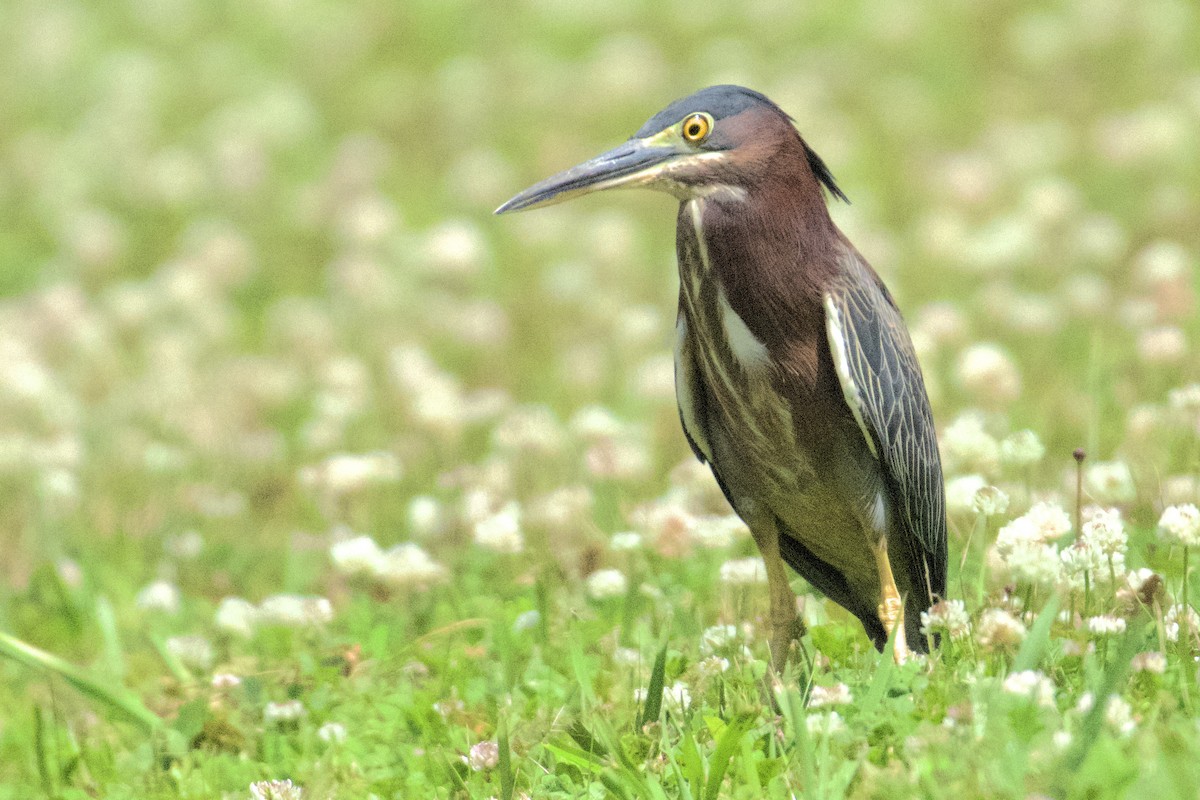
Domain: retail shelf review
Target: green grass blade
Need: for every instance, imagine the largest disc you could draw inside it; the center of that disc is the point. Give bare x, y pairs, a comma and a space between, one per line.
583, 677
654, 693
576, 757
792, 705
584, 738
883, 676
41, 753
681, 781
171, 661
1038, 641
114, 654
506, 773
614, 785
692, 763
118, 700
1093, 723
727, 748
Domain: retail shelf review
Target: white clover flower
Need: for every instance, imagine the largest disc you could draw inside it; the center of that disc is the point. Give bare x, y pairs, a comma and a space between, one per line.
448, 708
941, 323
1105, 532
986, 371
1180, 525
836, 695
284, 712
1164, 344
295, 611
501, 532
184, 546
824, 724
717, 637
713, 665
194, 652
527, 620
1106, 625
1082, 563
356, 556
627, 656
998, 629
1119, 716
236, 616
668, 523
1033, 564
595, 422
605, 583
1117, 713
1032, 685
743, 572
990, 501
1050, 520
1152, 661
1136, 579
70, 573
457, 247
159, 596
483, 756
961, 492
1180, 488
966, 444
714, 532
946, 616
275, 790
225, 680
562, 509
1018, 532
620, 458
347, 473
677, 697
332, 732
625, 541
1180, 620
424, 515
1185, 398
533, 429
1037, 526
408, 566
1110, 482
1021, 449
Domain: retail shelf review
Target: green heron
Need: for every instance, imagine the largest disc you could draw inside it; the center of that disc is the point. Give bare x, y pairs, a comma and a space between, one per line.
795, 376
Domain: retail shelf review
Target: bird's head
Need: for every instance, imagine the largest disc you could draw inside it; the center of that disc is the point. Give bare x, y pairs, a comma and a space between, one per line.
719, 140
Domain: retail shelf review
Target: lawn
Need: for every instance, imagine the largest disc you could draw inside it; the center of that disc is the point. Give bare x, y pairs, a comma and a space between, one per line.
317, 480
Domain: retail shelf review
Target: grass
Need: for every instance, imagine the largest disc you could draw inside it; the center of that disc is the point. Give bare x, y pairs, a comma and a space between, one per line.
255, 308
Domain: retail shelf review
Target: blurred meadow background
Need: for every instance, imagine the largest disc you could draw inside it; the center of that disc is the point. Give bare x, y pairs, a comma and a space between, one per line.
318, 480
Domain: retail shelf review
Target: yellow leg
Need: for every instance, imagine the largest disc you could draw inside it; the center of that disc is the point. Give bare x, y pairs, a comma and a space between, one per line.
891, 607
786, 625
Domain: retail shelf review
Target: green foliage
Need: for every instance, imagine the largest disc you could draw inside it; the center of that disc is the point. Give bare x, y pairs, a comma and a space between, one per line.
243, 240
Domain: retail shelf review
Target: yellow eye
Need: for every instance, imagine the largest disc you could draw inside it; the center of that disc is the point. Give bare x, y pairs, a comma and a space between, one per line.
696, 127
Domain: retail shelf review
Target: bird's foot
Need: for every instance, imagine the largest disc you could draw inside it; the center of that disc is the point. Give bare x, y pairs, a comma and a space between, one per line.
891, 614
785, 631
891, 606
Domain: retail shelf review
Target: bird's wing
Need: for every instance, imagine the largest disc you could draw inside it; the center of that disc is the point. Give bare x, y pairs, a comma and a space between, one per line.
881, 381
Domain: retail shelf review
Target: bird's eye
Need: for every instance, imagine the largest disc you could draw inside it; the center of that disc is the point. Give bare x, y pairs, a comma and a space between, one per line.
696, 127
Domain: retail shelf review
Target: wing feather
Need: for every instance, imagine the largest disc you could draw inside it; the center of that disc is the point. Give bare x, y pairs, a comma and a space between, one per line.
882, 383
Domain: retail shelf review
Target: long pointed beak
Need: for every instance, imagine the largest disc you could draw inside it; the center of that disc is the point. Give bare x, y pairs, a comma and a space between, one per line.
631, 164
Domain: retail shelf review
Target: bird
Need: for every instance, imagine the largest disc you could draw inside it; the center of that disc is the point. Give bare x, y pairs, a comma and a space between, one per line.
795, 375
